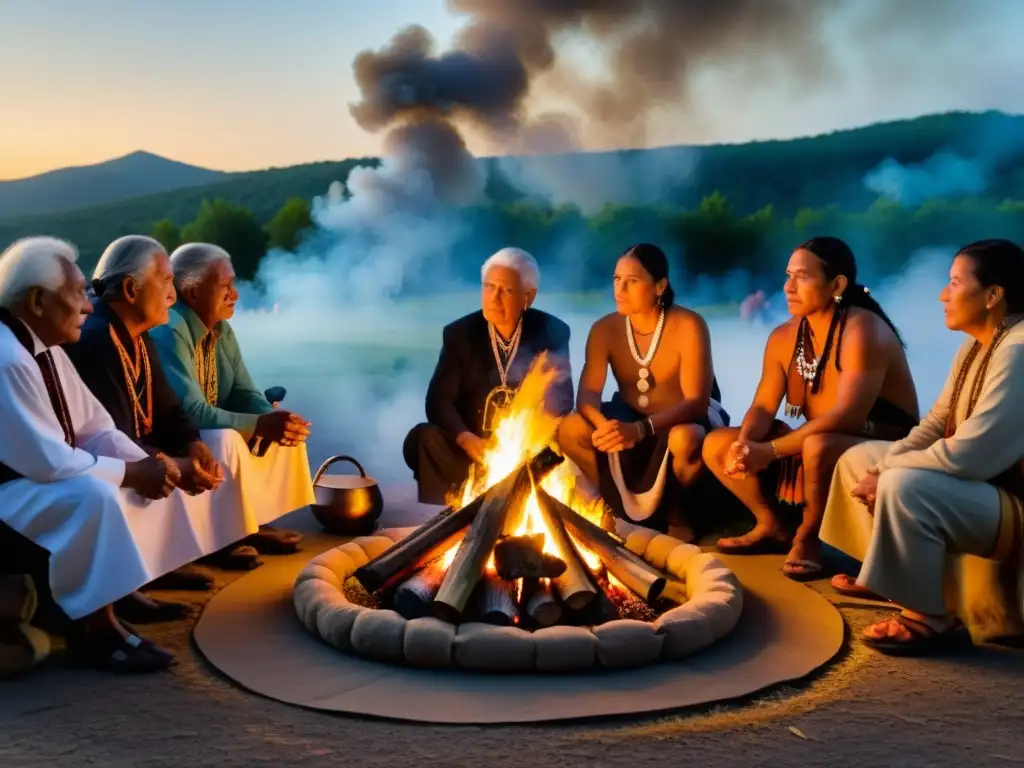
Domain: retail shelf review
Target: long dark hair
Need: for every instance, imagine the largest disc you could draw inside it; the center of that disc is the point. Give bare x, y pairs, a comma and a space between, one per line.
837, 258
654, 260
999, 262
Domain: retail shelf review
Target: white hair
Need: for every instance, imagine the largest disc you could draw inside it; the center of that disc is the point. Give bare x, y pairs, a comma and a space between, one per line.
192, 261
128, 256
34, 262
516, 259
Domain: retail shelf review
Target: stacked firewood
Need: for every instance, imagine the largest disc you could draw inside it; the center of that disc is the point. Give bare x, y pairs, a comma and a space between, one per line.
499, 577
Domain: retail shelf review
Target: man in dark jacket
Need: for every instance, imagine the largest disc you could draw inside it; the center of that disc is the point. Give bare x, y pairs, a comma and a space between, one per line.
484, 356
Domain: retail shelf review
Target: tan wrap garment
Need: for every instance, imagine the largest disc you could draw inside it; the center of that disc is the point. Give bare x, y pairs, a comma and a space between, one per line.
949, 494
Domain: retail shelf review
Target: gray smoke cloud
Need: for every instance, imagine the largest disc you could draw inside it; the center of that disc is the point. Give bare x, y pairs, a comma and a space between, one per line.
356, 356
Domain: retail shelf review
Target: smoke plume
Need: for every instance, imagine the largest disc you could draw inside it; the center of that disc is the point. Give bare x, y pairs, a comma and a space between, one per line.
356, 358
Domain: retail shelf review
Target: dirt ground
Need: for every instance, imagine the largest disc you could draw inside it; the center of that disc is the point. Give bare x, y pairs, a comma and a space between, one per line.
864, 708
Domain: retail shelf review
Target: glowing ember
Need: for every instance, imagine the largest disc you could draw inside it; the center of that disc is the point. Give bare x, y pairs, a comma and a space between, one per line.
520, 433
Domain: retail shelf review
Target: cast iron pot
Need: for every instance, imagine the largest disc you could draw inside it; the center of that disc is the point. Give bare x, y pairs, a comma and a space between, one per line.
346, 505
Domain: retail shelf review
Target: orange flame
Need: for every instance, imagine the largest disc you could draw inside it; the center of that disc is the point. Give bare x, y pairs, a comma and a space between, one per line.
522, 431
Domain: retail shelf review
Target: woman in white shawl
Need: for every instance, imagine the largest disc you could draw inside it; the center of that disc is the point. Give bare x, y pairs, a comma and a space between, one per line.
954, 485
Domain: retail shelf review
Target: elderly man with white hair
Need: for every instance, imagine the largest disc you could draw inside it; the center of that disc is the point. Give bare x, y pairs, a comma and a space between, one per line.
203, 362
484, 357
87, 512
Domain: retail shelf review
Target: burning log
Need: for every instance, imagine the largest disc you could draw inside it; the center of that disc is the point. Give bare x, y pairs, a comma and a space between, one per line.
413, 596
630, 570
575, 587
433, 538
476, 548
522, 557
539, 602
496, 601
600, 610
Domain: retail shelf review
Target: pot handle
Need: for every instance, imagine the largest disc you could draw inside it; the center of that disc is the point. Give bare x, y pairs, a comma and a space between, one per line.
326, 464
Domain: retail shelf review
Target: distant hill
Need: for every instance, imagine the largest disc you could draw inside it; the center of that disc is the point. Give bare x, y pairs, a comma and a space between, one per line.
66, 189
814, 172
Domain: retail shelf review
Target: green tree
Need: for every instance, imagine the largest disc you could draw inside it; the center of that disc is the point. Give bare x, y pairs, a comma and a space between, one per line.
292, 220
234, 229
167, 233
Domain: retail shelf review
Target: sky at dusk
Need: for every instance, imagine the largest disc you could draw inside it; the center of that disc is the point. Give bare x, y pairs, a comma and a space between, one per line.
246, 84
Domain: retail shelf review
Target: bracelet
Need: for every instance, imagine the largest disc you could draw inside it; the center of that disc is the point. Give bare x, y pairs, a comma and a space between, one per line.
775, 450
641, 431
649, 423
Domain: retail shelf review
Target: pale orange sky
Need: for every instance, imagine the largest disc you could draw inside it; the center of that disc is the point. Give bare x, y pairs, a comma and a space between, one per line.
244, 84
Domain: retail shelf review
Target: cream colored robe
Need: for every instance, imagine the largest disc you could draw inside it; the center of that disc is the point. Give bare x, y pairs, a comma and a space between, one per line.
934, 500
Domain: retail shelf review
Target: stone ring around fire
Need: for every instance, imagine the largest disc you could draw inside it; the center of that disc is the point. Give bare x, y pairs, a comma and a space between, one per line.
712, 609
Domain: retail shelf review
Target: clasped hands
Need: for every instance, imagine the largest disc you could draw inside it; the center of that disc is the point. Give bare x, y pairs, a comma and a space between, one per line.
745, 458
866, 490
195, 473
612, 436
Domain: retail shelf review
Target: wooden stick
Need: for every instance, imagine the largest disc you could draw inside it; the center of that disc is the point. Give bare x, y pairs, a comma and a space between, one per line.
414, 596
539, 602
575, 586
475, 550
496, 601
634, 572
435, 537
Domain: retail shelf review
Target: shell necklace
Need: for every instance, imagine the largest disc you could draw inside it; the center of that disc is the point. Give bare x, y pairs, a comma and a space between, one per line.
642, 384
807, 370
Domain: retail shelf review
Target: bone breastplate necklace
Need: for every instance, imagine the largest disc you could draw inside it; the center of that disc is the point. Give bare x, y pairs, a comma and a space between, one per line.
500, 397
642, 383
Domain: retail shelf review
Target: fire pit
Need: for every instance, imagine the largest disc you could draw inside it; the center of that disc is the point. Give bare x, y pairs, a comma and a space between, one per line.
518, 574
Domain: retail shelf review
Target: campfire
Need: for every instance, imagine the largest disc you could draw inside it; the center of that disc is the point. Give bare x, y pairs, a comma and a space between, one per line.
518, 544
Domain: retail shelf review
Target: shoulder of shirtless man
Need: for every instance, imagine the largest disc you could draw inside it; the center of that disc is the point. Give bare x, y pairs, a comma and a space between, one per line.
859, 323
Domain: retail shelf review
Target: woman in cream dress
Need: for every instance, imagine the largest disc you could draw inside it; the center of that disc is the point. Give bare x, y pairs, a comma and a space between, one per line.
954, 485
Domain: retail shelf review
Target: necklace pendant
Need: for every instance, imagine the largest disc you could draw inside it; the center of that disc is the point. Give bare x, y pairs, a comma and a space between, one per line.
643, 385
643, 401
643, 373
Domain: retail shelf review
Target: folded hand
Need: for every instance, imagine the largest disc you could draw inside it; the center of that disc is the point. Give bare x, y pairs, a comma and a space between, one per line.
615, 436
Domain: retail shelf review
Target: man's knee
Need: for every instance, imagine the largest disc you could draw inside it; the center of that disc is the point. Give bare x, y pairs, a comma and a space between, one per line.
91, 493
716, 444
899, 482
821, 450
424, 438
573, 432
224, 442
685, 440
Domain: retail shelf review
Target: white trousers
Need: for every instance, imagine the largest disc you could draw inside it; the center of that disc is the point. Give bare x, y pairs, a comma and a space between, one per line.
926, 526
105, 542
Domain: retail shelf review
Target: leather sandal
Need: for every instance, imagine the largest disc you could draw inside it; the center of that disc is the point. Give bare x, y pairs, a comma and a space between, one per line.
141, 609
923, 639
273, 541
236, 558
847, 585
187, 577
130, 657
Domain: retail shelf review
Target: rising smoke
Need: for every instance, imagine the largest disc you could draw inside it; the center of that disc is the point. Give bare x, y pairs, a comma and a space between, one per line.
514, 84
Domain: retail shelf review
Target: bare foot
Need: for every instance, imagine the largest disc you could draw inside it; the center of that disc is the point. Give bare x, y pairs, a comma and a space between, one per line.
763, 538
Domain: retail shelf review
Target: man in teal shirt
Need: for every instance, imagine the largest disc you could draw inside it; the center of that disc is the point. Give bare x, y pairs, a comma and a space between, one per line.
203, 363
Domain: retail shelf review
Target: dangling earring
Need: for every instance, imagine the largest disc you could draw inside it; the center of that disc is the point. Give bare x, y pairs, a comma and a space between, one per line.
661, 301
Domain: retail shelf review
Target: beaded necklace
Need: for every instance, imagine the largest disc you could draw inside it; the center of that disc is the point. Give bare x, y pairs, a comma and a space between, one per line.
979, 378
206, 367
133, 371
